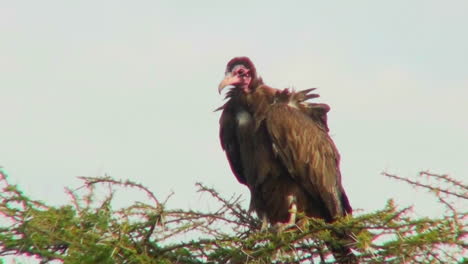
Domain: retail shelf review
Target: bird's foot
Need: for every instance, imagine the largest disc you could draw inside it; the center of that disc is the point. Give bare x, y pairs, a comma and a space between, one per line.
265, 224
280, 227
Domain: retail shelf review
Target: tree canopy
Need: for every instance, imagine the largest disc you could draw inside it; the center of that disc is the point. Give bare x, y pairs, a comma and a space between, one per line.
90, 230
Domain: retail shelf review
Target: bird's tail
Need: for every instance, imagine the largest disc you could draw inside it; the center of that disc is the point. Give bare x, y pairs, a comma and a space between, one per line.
341, 248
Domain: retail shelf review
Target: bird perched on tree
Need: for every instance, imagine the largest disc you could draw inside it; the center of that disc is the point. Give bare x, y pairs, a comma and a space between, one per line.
277, 144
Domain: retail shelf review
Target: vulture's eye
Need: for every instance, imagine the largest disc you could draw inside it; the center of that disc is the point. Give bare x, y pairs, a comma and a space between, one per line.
243, 73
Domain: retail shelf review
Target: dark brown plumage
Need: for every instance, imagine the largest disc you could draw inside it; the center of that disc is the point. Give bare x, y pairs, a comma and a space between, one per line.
277, 144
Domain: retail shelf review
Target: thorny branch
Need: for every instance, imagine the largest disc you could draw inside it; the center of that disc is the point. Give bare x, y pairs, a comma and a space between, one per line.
152, 233
454, 188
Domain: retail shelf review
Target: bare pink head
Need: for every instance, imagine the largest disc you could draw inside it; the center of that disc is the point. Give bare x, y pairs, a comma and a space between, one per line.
240, 72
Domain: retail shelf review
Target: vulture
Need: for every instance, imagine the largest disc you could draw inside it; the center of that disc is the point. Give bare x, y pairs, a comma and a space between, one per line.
277, 144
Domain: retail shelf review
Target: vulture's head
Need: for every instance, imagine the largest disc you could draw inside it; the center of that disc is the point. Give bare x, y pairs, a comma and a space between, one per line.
240, 73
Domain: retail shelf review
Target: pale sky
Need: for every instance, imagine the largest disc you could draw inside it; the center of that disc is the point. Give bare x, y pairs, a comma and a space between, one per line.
128, 89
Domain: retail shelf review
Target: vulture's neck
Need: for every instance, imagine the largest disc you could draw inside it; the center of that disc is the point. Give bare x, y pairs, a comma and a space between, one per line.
253, 98
255, 103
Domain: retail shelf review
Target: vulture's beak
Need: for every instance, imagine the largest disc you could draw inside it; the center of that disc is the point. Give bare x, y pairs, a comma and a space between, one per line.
230, 79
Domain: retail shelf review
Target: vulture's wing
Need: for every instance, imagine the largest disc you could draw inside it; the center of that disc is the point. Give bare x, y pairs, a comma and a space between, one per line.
230, 144
318, 113
308, 153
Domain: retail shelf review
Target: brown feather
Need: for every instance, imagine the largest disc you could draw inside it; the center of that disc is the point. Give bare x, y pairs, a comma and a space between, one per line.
309, 154
283, 143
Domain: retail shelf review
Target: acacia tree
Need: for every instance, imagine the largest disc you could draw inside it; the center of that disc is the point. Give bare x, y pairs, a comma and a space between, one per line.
87, 231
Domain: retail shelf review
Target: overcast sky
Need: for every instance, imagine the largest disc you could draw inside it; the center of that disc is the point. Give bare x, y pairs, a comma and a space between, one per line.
128, 89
